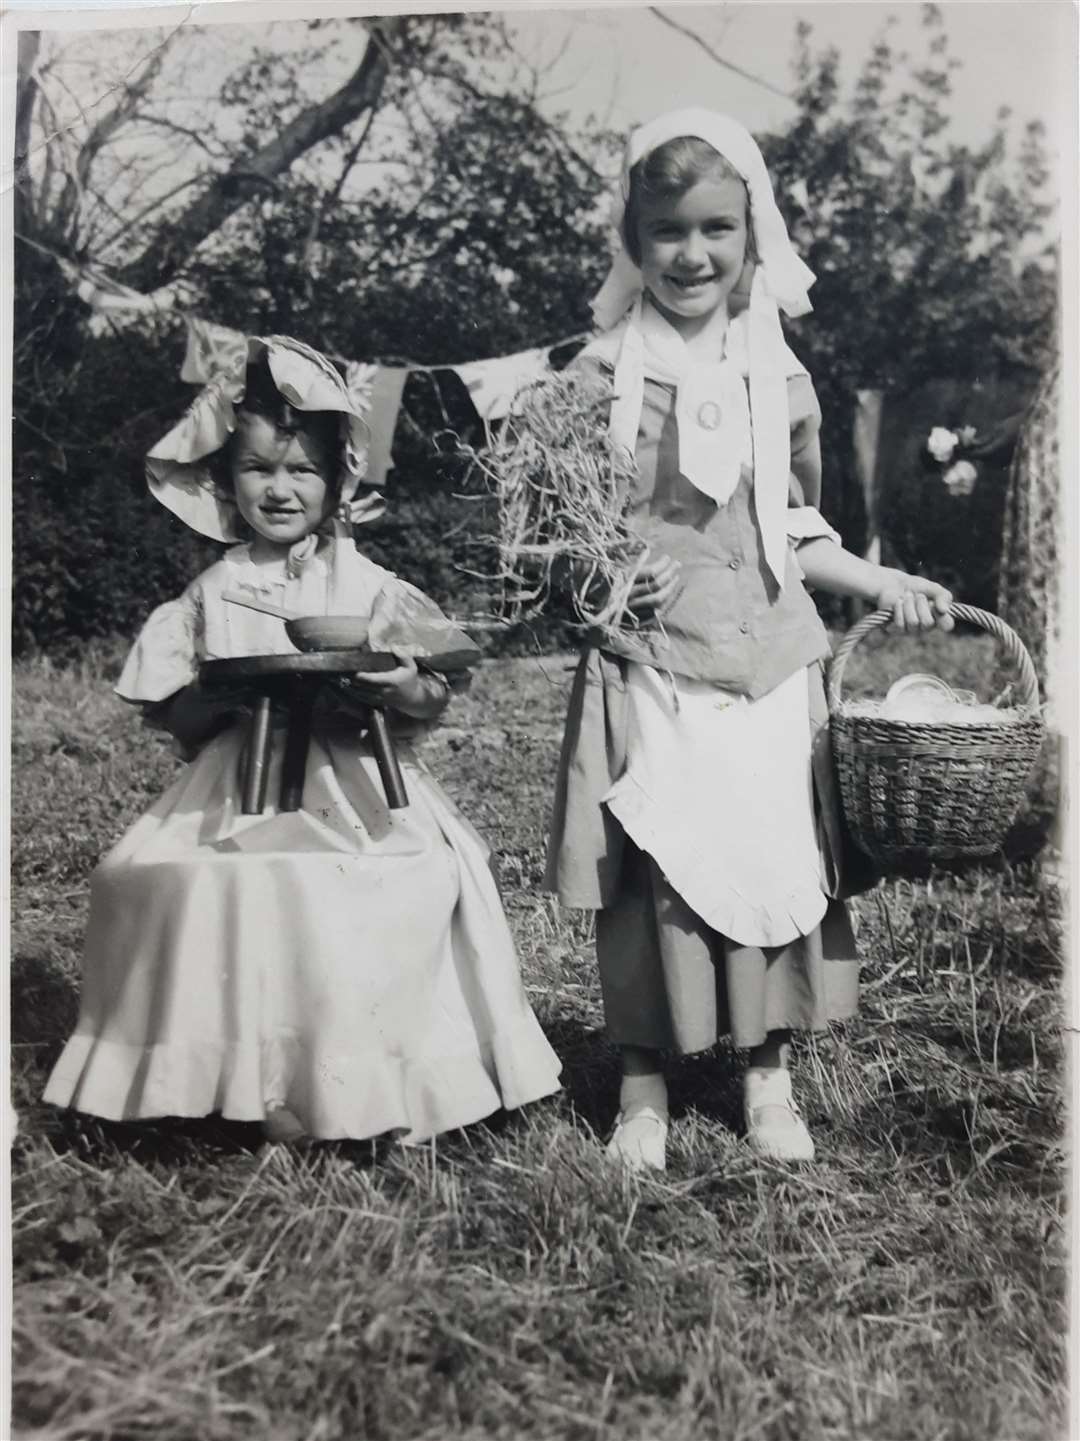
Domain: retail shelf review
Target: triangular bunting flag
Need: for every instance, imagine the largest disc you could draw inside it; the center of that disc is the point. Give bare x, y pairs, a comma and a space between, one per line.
385, 401
492, 384
211, 350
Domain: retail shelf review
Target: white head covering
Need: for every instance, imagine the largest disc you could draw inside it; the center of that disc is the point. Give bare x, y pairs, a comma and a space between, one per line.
712, 434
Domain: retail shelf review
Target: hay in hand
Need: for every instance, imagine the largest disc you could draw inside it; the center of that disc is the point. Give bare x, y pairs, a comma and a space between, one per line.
562, 491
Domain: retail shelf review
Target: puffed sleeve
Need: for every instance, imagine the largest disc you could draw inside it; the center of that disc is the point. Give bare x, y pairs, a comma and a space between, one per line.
165, 657
404, 620
804, 520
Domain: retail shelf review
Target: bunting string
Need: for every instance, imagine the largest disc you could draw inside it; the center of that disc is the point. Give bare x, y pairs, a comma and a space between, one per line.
491, 383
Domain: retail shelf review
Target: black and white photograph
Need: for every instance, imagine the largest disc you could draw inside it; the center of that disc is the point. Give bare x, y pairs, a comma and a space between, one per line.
542, 633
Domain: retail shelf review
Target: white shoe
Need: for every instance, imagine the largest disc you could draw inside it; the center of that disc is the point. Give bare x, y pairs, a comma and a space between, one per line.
774, 1127
639, 1140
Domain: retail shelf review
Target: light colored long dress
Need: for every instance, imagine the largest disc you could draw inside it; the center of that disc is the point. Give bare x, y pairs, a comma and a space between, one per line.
347, 961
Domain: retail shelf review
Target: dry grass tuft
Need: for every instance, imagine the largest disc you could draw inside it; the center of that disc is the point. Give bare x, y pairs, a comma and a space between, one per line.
560, 486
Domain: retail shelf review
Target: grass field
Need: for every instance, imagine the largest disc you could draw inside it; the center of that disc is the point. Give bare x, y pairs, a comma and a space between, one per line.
178, 1281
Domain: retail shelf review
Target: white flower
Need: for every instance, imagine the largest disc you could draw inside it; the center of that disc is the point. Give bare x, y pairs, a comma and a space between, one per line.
941, 443
960, 478
967, 434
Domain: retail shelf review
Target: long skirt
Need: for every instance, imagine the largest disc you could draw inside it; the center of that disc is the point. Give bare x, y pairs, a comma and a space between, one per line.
704, 831
346, 961
671, 983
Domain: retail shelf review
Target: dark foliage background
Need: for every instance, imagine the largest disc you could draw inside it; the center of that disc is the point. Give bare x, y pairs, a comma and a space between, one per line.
485, 235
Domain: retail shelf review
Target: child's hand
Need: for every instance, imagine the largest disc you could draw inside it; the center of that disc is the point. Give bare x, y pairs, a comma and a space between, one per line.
916, 603
405, 688
655, 586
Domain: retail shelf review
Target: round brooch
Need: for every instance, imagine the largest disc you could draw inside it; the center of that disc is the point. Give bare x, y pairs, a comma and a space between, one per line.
708, 415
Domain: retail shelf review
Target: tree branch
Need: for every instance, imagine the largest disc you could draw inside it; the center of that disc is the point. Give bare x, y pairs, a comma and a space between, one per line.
553, 132
102, 131
713, 55
135, 220
29, 45
228, 192
162, 123
329, 200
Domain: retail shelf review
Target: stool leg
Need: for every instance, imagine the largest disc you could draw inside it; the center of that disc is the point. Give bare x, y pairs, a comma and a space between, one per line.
297, 741
382, 744
257, 759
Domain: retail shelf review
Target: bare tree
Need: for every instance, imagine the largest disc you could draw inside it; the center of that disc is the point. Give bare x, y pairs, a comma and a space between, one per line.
68, 158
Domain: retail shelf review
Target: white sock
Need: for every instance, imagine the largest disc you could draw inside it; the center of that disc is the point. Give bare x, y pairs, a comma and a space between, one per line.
638, 1091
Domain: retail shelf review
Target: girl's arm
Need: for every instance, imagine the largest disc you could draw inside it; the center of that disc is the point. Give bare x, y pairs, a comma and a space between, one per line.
916, 603
418, 693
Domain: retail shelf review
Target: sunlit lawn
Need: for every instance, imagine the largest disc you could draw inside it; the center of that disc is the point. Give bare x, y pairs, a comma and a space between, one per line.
177, 1281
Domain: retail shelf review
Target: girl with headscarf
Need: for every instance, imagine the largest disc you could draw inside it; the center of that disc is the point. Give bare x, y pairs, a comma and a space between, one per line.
695, 806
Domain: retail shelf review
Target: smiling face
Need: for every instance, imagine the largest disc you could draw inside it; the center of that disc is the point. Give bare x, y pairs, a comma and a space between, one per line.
281, 479
692, 246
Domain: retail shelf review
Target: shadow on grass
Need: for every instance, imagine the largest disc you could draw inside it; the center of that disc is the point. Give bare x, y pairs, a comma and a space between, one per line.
950, 1130
590, 1080
590, 1074
708, 1083
172, 1142
1008, 1049
44, 1003
968, 1137
1022, 846
175, 1142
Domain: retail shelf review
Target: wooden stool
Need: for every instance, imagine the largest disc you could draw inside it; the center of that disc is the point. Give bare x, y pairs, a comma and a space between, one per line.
295, 681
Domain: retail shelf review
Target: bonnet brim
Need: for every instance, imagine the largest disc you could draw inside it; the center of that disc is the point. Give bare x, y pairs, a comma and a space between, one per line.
179, 468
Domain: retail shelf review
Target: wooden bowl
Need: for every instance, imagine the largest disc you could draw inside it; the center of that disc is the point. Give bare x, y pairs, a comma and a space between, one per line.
328, 632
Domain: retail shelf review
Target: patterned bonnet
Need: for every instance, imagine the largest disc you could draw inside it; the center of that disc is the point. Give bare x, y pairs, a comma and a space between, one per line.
178, 468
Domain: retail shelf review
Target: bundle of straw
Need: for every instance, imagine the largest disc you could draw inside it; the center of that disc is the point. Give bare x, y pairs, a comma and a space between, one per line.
562, 490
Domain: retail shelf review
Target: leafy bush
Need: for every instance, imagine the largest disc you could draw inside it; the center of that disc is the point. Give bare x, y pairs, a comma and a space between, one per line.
954, 538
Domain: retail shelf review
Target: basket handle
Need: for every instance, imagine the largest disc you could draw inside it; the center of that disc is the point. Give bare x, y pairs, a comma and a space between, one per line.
1014, 648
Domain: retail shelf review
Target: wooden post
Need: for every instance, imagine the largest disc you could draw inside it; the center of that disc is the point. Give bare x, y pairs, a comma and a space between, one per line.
257, 759
303, 694
382, 744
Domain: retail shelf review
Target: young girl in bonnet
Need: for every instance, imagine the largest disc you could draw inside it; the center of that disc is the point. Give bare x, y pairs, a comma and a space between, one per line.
341, 970
695, 809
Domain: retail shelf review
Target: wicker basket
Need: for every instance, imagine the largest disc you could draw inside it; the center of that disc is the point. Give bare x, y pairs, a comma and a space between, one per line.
919, 791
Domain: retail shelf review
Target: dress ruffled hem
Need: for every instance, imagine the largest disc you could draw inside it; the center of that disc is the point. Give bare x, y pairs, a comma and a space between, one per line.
789, 913
335, 1097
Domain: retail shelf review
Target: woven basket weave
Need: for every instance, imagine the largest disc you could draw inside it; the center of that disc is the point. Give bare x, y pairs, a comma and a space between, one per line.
918, 791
